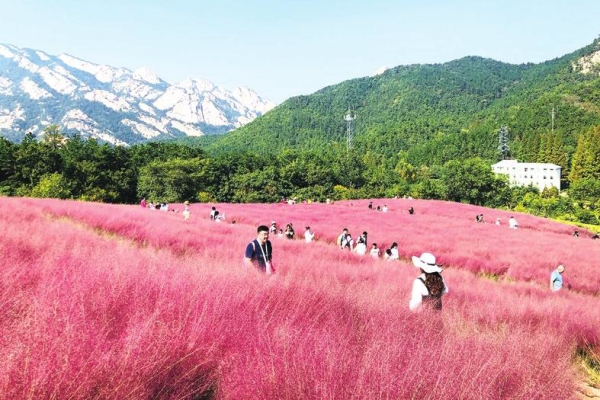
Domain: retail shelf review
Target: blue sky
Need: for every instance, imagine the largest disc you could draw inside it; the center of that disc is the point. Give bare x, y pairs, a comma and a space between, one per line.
287, 48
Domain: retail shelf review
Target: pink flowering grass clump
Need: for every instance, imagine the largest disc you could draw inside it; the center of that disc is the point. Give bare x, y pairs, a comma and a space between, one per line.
103, 301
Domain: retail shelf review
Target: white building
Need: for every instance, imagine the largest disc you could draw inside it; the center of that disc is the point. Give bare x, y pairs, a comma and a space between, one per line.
540, 175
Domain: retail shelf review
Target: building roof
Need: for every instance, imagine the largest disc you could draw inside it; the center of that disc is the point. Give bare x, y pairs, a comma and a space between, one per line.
514, 163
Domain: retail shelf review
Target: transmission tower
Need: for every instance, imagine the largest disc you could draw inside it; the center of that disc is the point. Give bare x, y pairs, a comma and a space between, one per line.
503, 143
349, 118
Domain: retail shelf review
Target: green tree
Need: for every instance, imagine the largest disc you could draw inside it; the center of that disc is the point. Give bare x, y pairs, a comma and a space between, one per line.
33, 159
586, 160
6, 166
51, 186
586, 189
472, 181
257, 187
174, 180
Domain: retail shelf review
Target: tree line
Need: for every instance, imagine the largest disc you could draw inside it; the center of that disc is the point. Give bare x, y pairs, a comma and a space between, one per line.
76, 168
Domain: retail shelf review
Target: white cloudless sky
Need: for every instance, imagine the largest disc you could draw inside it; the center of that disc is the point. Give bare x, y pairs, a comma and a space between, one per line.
292, 47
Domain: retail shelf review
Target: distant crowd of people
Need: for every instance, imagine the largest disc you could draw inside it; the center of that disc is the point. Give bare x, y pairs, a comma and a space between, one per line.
512, 221
214, 215
428, 288
514, 224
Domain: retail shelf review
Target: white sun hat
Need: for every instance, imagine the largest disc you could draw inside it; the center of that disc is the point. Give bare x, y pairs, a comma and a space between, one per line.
427, 263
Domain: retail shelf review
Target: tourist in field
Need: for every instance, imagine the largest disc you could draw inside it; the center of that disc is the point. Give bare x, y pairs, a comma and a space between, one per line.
259, 252
387, 256
370, 205
143, 203
595, 237
411, 210
361, 247
576, 233
513, 223
363, 237
213, 213
348, 242
556, 279
498, 221
186, 210
384, 208
273, 228
395, 254
374, 252
289, 231
340, 238
429, 287
308, 235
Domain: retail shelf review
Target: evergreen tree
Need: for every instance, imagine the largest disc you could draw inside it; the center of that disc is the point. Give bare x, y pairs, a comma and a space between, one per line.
586, 160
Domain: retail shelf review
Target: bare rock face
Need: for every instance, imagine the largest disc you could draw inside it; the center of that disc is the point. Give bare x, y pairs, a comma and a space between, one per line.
589, 64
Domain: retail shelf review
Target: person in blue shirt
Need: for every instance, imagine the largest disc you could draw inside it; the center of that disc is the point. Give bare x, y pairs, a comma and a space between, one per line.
259, 252
556, 279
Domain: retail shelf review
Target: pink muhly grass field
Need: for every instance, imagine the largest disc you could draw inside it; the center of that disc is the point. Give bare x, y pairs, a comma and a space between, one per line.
104, 301
449, 231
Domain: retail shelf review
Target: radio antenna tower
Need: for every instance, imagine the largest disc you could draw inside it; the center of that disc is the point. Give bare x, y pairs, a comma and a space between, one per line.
349, 118
503, 143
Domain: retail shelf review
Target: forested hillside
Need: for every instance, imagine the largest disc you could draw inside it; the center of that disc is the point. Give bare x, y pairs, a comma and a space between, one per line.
430, 114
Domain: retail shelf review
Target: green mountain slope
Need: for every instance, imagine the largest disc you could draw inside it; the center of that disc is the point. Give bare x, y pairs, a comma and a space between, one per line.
433, 113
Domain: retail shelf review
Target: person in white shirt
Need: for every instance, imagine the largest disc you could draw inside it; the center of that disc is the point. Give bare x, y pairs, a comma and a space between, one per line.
512, 223
186, 210
384, 209
387, 255
363, 238
374, 251
273, 228
348, 242
308, 235
394, 249
429, 287
361, 246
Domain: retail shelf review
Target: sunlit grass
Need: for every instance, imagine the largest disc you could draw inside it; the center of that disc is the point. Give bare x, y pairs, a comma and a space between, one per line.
102, 301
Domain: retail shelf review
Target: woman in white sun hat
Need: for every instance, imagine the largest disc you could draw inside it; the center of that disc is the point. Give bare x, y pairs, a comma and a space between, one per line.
429, 287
